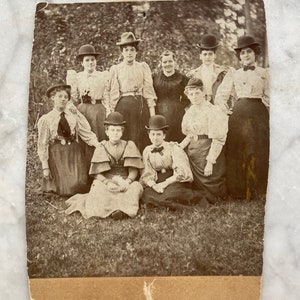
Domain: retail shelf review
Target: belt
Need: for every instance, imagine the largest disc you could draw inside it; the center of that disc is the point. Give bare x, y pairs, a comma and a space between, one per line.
247, 98
98, 101
130, 94
63, 140
202, 136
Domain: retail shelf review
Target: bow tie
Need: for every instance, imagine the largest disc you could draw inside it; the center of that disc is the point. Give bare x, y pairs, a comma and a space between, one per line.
252, 68
157, 149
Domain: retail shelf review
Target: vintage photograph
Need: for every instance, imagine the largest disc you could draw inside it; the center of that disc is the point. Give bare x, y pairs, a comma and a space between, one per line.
148, 139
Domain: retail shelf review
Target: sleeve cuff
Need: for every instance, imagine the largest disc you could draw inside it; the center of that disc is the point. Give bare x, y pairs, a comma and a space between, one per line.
45, 164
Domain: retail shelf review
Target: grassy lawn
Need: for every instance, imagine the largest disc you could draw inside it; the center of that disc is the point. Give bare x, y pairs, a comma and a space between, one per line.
226, 239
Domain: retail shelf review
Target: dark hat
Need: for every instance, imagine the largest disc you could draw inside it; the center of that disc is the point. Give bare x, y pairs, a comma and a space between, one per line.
208, 42
127, 38
245, 41
114, 118
58, 85
157, 122
194, 83
86, 50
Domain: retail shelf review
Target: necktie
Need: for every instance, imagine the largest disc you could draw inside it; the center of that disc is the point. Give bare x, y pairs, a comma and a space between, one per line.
157, 149
63, 126
252, 68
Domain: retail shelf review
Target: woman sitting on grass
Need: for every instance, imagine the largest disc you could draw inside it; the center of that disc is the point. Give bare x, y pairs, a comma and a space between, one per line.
114, 165
64, 167
205, 127
167, 175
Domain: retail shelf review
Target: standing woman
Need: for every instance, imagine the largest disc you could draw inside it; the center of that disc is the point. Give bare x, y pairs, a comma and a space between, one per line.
89, 89
248, 136
169, 87
131, 91
205, 127
64, 167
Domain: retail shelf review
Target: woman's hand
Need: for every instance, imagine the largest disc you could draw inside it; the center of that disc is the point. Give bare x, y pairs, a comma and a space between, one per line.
208, 169
124, 186
47, 174
159, 187
112, 187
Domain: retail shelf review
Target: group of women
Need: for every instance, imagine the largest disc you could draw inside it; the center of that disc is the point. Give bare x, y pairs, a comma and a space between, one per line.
202, 135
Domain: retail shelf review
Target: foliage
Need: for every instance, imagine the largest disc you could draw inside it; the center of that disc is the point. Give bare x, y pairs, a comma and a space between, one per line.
60, 29
225, 239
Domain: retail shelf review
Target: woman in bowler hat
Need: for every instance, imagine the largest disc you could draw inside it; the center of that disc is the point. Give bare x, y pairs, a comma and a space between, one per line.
248, 135
209, 72
167, 175
205, 127
63, 163
114, 166
89, 89
131, 90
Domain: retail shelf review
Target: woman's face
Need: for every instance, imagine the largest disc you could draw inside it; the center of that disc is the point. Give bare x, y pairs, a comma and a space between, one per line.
114, 133
157, 137
129, 54
89, 63
247, 56
195, 95
208, 57
168, 64
60, 100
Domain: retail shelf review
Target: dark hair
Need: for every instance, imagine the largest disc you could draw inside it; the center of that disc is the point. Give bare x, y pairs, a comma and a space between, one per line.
164, 130
59, 89
135, 45
167, 53
255, 48
83, 56
214, 50
106, 126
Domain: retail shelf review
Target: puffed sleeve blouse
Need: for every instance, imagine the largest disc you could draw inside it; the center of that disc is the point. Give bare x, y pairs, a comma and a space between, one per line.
171, 157
209, 120
95, 83
47, 131
135, 78
246, 84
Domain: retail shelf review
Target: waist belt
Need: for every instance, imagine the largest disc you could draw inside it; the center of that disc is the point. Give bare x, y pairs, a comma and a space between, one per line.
63, 140
130, 94
202, 136
98, 101
246, 98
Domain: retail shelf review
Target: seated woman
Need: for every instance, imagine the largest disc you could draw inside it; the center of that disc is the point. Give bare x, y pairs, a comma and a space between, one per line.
167, 175
64, 167
114, 165
205, 127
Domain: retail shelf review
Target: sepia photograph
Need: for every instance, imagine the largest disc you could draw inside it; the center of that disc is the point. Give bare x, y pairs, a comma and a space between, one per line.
148, 139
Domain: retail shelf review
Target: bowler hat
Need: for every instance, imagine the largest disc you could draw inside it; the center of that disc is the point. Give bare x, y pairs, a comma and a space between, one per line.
194, 83
245, 41
157, 122
58, 85
86, 50
127, 38
114, 118
208, 42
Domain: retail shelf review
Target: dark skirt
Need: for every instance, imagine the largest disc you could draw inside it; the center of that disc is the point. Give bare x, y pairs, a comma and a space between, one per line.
177, 195
68, 170
173, 111
136, 114
247, 149
95, 115
214, 184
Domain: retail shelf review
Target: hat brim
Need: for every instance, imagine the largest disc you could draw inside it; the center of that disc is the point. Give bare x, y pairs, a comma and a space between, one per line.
87, 54
114, 124
49, 90
207, 48
247, 45
128, 43
160, 128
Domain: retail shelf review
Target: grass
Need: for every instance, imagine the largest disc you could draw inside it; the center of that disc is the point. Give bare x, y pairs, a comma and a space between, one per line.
226, 239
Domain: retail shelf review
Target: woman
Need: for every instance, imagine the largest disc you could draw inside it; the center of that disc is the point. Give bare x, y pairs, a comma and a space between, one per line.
167, 175
248, 136
131, 90
205, 127
114, 166
89, 87
64, 167
169, 87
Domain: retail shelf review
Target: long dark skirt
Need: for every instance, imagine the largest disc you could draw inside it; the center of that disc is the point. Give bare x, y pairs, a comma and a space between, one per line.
214, 184
95, 115
136, 114
68, 170
247, 149
177, 195
173, 111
